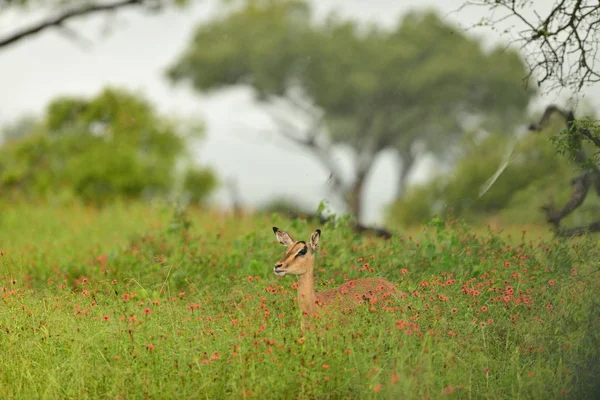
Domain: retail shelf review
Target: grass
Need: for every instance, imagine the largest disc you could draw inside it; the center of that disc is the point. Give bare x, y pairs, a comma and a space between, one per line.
132, 302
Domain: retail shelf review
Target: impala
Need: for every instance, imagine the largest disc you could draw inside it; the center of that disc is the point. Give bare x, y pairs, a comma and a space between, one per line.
299, 259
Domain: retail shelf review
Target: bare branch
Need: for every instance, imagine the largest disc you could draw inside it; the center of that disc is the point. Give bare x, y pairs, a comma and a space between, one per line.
562, 47
308, 139
58, 20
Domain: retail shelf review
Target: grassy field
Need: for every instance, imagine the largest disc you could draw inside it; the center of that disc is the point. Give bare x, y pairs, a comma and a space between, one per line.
134, 301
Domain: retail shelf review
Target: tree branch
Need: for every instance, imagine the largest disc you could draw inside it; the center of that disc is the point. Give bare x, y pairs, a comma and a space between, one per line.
563, 45
65, 16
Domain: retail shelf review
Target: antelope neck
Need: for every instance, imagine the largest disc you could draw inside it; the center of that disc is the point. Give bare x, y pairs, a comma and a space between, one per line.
307, 298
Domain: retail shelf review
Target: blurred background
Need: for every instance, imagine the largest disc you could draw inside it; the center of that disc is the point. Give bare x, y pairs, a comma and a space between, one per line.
391, 111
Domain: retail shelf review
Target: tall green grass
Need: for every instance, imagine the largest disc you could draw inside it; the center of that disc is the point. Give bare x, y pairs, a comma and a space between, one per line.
133, 301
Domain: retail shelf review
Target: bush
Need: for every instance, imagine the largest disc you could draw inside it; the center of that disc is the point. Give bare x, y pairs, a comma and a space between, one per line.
535, 176
100, 149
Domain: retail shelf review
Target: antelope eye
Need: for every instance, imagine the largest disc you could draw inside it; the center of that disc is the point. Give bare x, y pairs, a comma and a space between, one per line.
301, 252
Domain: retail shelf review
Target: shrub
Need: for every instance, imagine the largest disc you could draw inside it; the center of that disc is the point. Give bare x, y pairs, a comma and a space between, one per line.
100, 149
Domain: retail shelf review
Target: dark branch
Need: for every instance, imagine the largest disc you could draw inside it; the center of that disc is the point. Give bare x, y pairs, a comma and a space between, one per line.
579, 230
563, 46
58, 20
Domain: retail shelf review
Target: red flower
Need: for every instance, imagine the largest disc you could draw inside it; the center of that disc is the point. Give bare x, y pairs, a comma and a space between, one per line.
448, 389
147, 311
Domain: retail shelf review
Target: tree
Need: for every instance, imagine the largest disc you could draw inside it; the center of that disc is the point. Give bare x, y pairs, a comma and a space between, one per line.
526, 183
336, 84
563, 42
63, 11
100, 149
570, 141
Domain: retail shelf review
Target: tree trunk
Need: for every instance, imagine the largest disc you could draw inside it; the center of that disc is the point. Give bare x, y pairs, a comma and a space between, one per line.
355, 203
406, 163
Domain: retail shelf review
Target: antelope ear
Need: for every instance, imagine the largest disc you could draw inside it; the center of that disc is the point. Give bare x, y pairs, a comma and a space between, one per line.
283, 237
314, 240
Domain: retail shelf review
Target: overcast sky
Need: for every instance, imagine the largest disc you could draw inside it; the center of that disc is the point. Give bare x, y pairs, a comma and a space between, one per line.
137, 50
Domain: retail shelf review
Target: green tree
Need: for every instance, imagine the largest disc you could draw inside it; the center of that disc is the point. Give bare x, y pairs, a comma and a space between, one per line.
560, 45
531, 180
337, 84
111, 146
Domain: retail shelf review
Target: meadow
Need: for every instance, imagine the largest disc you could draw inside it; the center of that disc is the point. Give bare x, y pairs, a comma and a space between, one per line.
138, 301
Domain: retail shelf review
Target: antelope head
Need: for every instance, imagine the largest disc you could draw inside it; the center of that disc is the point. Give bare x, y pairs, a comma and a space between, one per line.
299, 257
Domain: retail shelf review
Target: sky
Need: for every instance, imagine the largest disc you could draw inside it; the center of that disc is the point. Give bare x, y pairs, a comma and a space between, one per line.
132, 49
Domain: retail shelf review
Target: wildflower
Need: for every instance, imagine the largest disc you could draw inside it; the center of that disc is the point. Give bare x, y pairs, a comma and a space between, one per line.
395, 378
484, 308
106, 318
150, 346
448, 389
506, 264
551, 282
249, 279
377, 388
147, 311
181, 294
126, 297
325, 366
404, 271
84, 281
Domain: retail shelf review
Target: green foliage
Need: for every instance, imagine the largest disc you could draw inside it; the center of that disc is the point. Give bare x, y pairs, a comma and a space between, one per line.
534, 176
569, 141
174, 312
378, 88
111, 146
199, 183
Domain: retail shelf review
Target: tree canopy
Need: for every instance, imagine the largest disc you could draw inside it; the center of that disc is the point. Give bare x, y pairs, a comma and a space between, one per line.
111, 146
367, 88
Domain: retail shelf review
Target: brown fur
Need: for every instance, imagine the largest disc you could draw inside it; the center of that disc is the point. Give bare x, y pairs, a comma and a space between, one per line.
346, 296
